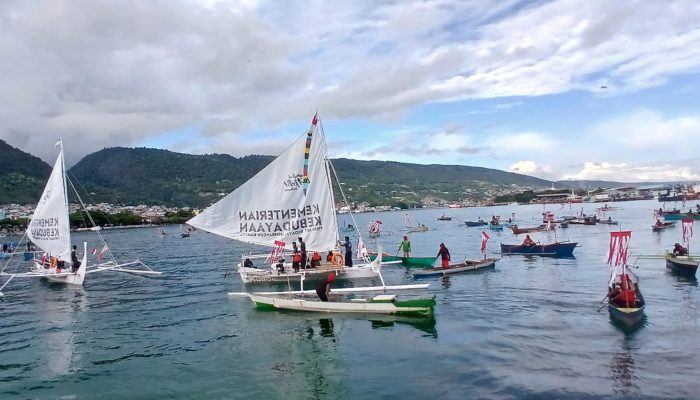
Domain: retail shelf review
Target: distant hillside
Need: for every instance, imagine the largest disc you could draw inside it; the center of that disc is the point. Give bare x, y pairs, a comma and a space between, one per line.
151, 176
22, 175
132, 176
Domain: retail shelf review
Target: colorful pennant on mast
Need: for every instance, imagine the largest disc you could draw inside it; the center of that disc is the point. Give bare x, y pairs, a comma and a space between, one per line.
307, 153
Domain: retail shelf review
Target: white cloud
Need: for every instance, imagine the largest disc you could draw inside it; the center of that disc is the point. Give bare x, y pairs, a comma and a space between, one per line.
677, 170
104, 74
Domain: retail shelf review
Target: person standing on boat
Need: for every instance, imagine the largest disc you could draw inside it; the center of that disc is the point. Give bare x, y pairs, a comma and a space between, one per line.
74, 259
348, 251
406, 246
444, 254
324, 288
302, 250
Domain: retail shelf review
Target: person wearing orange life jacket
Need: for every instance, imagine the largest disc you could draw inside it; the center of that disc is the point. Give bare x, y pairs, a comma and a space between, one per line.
315, 259
296, 261
329, 256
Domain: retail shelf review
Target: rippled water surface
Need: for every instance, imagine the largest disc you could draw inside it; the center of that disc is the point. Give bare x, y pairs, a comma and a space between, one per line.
531, 328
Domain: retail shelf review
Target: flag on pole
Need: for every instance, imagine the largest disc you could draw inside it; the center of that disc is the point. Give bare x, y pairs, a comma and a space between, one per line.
102, 252
276, 253
619, 245
362, 252
484, 239
687, 229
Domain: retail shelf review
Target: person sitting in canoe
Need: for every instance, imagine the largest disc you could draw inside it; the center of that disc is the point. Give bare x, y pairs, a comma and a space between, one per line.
623, 294
248, 263
324, 288
659, 223
679, 250
528, 242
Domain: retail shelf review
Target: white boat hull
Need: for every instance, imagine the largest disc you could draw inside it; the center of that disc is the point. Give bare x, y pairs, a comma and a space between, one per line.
360, 307
257, 275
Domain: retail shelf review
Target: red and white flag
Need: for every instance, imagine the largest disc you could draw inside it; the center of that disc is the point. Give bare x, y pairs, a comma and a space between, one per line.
94, 251
102, 252
619, 245
687, 229
484, 239
276, 253
362, 252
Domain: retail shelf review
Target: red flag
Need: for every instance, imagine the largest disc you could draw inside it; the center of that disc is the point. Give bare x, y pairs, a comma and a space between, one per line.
315, 120
687, 229
276, 253
484, 239
102, 252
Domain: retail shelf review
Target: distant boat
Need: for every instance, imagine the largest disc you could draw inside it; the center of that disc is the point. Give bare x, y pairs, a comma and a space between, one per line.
413, 228
662, 226
557, 249
444, 218
417, 262
184, 233
684, 264
495, 227
516, 230
475, 223
347, 228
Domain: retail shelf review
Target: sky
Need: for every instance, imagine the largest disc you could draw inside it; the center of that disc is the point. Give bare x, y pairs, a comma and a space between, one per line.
561, 89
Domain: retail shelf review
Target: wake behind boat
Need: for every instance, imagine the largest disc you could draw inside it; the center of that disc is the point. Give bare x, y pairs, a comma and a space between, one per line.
290, 199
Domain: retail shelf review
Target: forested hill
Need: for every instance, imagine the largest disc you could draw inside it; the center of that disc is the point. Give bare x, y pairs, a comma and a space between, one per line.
22, 175
133, 176
151, 176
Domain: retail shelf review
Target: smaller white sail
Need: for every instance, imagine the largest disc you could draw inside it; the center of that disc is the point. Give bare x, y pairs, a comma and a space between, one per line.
49, 228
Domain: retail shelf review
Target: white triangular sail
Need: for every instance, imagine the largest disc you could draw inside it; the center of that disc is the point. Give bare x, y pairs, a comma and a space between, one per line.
291, 197
49, 228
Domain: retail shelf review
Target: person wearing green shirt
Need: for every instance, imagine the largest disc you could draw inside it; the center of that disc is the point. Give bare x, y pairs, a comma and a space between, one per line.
406, 246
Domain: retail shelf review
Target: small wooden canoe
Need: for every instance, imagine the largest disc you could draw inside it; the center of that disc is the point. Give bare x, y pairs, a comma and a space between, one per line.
467, 266
682, 265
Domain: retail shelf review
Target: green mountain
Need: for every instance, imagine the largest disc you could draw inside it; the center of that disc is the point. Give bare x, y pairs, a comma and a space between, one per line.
22, 175
133, 176
151, 176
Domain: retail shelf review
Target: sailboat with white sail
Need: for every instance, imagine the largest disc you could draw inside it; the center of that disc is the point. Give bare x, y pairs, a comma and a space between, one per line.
49, 230
290, 199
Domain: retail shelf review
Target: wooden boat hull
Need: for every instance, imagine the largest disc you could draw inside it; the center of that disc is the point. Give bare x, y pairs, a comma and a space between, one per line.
516, 230
547, 250
498, 227
628, 316
680, 216
416, 307
475, 223
258, 275
419, 262
682, 265
467, 266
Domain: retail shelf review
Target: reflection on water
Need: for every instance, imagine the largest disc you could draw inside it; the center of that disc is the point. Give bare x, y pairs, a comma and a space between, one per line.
623, 370
326, 325
57, 305
446, 281
423, 324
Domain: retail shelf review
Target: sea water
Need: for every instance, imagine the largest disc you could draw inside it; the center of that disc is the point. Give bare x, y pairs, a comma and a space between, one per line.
530, 328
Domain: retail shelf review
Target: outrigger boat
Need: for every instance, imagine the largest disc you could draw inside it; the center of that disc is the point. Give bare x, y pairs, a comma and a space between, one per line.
684, 264
475, 223
290, 198
49, 230
517, 230
378, 304
466, 266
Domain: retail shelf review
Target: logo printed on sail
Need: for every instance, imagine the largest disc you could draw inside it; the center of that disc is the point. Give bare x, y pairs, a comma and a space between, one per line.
280, 222
46, 228
293, 182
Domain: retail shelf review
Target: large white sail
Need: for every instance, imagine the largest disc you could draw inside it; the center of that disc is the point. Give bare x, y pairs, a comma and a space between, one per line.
49, 228
292, 197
